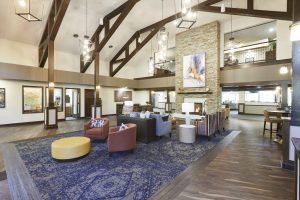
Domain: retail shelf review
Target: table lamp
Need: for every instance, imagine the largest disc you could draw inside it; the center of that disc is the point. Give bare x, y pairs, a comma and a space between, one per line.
187, 108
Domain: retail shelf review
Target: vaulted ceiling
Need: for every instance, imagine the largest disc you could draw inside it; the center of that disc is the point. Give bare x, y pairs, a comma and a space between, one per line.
143, 14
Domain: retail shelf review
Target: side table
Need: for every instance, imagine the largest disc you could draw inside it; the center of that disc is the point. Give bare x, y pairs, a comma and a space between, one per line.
187, 133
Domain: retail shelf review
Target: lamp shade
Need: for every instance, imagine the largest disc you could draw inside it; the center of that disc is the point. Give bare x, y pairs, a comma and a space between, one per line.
187, 107
295, 32
128, 103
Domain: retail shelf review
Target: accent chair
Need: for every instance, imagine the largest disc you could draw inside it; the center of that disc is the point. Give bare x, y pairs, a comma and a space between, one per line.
97, 133
162, 127
122, 140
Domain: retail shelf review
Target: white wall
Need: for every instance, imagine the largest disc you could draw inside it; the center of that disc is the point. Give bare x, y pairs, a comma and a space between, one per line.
284, 45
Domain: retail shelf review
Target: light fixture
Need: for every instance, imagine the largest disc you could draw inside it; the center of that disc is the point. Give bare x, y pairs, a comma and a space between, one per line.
284, 70
188, 16
85, 43
271, 30
162, 38
98, 87
51, 85
23, 8
223, 8
295, 32
151, 63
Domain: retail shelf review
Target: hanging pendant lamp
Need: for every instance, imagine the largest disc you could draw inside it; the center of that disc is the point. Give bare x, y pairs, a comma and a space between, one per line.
162, 38
188, 15
29, 11
85, 43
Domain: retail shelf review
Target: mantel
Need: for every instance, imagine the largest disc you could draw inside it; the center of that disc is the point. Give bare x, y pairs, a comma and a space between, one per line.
203, 92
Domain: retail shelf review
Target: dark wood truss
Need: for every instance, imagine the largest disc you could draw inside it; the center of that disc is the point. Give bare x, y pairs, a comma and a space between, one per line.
126, 54
56, 15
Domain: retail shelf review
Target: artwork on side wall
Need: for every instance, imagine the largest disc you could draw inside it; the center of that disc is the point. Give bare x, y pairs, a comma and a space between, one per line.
32, 99
2, 97
194, 70
58, 98
121, 95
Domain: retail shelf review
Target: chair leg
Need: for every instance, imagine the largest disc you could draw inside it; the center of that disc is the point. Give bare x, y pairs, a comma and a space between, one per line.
264, 128
170, 134
271, 130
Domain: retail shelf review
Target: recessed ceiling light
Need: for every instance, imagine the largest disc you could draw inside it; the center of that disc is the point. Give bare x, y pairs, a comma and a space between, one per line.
271, 30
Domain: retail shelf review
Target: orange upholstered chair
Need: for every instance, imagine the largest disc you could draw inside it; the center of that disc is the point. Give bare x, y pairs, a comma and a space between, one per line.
121, 140
97, 133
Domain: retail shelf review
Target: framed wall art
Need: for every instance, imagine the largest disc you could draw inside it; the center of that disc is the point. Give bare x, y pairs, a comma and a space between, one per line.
121, 95
2, 97
32, 99
194, 70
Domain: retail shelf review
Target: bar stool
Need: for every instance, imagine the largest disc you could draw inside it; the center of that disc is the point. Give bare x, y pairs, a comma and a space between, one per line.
272, 121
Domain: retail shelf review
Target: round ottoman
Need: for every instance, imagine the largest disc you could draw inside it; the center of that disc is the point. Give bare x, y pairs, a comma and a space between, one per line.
187, 133
70, 148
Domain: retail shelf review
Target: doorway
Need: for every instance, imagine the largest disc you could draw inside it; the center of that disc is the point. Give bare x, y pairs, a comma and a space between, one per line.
89, 102
72, 103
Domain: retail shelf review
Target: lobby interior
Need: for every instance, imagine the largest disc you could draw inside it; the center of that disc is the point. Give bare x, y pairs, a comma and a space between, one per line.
140, 99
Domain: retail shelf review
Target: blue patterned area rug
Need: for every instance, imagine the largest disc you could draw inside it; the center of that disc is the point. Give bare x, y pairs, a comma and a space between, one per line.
122, 176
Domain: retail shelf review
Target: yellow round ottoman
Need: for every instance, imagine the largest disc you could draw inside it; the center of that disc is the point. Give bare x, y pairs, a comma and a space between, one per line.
70, 148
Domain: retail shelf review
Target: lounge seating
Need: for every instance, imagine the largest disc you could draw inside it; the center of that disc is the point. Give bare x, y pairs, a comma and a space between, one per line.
122, 140
97, 133
272, 120
162, 127
208, 126
145, 127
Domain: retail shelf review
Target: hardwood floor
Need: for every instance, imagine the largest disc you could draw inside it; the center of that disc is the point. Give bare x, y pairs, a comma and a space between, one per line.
245, 166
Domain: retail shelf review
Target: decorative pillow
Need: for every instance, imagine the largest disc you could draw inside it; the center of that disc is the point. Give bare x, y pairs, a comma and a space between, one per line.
142, 115
134, 114
147, 114
122, 127
165, 118
97, 123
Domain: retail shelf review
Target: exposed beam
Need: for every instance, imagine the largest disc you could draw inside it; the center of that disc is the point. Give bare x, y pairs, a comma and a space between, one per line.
250, 13
56, 14
122, 11
205, 7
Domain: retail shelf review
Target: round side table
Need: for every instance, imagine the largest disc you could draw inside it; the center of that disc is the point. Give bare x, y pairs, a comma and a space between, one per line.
187, 133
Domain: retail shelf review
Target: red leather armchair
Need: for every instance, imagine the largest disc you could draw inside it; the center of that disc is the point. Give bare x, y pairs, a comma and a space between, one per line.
123, 140
97, 133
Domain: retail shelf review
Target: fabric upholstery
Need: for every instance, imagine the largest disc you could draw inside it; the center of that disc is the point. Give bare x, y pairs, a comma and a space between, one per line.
162, 127
122, 140
145, 127
97, 133
208, 126
221, 121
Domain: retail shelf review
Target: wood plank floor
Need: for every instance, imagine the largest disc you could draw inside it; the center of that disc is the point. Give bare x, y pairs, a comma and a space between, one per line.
245, 167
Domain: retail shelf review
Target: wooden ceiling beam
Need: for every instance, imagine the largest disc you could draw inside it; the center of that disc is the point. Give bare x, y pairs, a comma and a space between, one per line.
57, 13
122, 11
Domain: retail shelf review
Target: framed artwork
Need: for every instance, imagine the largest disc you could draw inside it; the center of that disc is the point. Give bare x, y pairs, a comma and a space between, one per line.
2, 97
32, 99
194, 70
58, 98
121, 95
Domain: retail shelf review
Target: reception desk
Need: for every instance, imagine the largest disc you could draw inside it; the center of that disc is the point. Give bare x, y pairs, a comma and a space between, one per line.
255, 108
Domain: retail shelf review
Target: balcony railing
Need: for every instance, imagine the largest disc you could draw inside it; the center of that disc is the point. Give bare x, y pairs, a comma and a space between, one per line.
259, 52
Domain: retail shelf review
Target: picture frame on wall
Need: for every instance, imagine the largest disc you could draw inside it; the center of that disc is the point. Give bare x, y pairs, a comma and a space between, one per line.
2, 97
194, 70
58, 98
121, 96
32, 99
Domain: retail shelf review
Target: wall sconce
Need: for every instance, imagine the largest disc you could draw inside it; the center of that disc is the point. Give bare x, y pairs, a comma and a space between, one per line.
98, 87
51, 85
283, 70
295, 32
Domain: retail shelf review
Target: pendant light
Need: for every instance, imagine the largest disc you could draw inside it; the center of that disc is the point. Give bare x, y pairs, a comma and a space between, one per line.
162, 38
23, 8
188, 16
85, 43
295, 32
231, 43
151, 63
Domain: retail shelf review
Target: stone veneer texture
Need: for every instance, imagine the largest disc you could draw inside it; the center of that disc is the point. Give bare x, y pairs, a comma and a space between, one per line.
206, 39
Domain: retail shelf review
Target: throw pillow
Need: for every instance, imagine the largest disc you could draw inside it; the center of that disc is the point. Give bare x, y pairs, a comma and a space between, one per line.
122, 127
165, 118
142, 115
147, 114
97, 123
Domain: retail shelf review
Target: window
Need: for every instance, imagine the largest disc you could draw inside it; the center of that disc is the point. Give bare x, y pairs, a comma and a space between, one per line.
266, 96
230, 97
